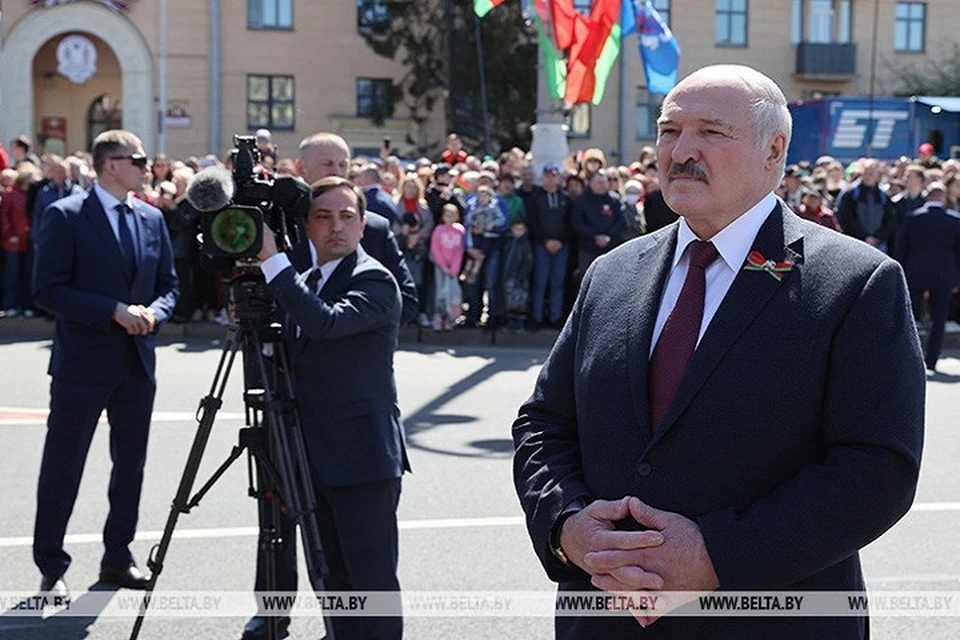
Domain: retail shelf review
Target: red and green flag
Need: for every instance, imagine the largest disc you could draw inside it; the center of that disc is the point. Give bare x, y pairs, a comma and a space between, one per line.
553, 62
483, 7
593, 53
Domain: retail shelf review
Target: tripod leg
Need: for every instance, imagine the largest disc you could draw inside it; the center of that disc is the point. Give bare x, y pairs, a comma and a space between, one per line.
288, 452
209, 406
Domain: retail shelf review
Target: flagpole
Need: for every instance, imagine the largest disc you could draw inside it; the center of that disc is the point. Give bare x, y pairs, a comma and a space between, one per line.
622, 120
483, 86
873, 74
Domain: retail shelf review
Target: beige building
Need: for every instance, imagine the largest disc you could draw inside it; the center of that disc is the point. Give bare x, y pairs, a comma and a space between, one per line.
810, 47
72, 68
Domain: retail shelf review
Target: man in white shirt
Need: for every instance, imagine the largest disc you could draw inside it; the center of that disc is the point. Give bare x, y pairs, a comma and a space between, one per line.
104, 270
703, 421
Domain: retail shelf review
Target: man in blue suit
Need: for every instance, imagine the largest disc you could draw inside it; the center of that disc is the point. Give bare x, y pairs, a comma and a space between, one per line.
324, 155
704, 421
104, 269
928, 247
346, 308
378, 200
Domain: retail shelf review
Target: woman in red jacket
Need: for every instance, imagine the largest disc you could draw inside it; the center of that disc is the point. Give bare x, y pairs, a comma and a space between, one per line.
15, 242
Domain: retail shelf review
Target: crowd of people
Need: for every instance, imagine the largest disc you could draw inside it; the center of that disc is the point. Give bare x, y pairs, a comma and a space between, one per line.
489, 242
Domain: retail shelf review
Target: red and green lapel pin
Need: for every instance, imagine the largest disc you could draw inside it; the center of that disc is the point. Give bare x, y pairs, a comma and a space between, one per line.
756, 262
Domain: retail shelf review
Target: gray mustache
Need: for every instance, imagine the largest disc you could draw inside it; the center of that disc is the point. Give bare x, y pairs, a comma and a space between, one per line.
687, 170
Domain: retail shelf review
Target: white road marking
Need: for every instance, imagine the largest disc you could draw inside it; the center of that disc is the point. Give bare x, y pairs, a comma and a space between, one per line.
405, 525
19, 416
242, 532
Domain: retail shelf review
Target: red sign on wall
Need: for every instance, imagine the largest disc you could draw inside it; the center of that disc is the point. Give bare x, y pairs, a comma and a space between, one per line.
54, 127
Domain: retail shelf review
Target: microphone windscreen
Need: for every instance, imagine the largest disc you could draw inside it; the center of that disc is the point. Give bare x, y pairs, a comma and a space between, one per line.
211, 189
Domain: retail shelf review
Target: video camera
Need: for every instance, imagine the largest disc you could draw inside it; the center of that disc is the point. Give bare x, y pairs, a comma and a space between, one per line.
234, 208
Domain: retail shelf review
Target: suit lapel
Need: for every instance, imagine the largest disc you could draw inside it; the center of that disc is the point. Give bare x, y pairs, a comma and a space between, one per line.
648, 280
780, 238
97, 217
341, 276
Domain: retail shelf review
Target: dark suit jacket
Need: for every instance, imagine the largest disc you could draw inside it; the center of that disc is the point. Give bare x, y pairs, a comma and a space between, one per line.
380, 243
788, 455
928, 247
343, 369
79, 277
379, 201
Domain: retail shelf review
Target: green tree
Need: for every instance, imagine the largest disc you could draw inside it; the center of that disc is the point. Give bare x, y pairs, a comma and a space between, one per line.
939, 76
435, 41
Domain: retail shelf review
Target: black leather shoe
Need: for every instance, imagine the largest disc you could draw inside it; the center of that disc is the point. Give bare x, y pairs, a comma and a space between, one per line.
54, 587
130, 577
256, 628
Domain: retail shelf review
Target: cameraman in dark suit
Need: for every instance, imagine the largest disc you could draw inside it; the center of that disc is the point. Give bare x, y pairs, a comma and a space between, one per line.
324, 155
346, 308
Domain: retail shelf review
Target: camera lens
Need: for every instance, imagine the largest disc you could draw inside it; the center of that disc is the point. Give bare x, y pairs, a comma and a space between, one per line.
234, 231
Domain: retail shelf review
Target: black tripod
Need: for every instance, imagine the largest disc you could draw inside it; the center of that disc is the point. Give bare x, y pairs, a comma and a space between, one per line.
277, 466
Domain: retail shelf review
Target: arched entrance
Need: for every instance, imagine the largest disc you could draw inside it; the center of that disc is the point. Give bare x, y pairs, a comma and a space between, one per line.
35, 29
61, 100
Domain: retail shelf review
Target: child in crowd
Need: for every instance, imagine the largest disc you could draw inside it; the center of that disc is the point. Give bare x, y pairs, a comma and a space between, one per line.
484, 216
517, 268
413, 229
446, 251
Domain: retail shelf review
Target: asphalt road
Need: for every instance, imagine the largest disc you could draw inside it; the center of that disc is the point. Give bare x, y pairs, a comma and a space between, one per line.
461, 527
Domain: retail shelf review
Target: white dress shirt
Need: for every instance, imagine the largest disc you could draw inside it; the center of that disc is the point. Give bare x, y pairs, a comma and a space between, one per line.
272, 266
109, 204
732, 243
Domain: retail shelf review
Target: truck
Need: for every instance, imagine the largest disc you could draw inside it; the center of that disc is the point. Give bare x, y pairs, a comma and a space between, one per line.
887, 128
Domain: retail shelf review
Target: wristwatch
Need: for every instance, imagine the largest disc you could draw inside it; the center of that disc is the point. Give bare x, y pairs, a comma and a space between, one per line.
574, 507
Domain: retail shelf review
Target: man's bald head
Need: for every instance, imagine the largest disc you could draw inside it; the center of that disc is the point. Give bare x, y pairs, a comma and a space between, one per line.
722, 141
323, 155
764, 100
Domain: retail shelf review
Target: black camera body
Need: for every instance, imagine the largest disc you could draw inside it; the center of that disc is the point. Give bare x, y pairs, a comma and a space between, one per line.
234, 210
234, 229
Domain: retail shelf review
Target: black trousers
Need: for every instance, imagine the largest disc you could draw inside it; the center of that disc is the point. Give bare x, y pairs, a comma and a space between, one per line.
358, 531
75, 409
939, 310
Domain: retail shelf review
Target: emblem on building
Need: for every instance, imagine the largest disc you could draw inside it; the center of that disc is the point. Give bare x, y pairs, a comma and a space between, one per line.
77, 59
116, 5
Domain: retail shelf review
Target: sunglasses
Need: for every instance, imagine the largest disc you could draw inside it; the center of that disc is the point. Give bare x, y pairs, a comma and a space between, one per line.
136, 159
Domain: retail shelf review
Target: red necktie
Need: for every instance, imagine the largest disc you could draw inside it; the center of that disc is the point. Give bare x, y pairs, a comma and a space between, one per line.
679, 336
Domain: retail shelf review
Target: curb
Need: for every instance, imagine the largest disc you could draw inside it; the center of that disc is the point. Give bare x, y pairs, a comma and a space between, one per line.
12, 329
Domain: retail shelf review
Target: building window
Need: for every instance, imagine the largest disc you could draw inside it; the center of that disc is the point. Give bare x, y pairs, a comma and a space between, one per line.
908, 33
270, 103
796, 22
731, 23
373, 17
578, 121
827, 21
648, 110
663, 8
374, 98
844, 27
270, 14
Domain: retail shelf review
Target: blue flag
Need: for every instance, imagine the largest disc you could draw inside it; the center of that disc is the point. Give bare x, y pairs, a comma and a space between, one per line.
659, 49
